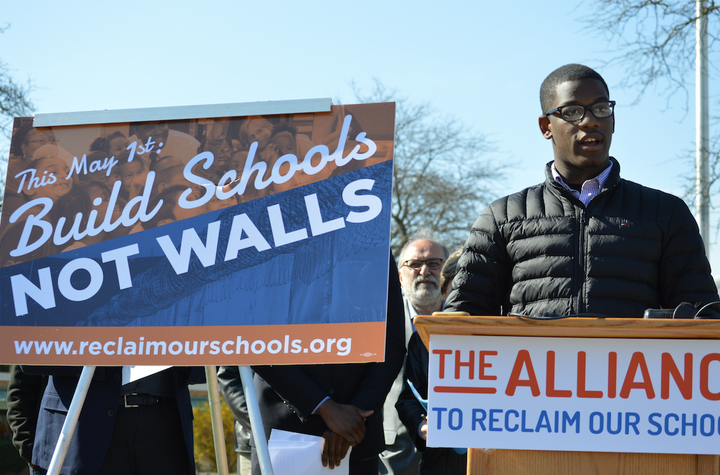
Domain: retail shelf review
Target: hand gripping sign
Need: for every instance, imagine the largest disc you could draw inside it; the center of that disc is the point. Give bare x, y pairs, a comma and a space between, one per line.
233, 240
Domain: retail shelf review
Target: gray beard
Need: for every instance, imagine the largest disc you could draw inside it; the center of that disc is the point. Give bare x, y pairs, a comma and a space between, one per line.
423, 295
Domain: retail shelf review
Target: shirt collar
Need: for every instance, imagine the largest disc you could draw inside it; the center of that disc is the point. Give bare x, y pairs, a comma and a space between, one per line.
590, 188
601, 178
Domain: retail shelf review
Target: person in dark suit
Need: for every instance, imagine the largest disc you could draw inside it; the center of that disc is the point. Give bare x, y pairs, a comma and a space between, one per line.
341, 403
412, 412
420, 262
144, 427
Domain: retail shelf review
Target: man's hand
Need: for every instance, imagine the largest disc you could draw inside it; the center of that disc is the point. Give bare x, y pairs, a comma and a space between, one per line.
345, 420
334, 449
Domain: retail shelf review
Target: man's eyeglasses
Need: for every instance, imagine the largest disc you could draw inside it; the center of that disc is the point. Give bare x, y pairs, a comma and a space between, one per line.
574, 113
417, 264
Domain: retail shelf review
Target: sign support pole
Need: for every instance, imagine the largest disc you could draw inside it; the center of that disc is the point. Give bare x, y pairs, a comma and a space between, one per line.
68, 427
221, 460
256, 424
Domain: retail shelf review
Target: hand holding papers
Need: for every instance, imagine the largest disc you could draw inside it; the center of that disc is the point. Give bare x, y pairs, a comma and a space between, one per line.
297, 454
334, 449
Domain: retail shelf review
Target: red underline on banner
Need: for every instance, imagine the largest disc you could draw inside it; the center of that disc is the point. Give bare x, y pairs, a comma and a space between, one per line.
464, 390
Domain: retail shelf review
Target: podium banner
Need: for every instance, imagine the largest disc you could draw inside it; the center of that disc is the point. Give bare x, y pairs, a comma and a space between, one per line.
244, 240
574, 394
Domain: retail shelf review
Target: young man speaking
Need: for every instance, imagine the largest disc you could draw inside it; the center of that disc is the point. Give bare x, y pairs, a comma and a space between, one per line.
585, 240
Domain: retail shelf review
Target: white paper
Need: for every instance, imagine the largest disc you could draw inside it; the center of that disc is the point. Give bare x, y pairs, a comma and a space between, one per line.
133, 373
292, 453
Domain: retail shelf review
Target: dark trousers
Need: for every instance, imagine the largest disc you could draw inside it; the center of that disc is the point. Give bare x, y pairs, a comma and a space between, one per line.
147, 440
442, 461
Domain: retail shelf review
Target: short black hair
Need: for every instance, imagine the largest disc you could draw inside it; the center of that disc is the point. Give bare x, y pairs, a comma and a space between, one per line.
569, 72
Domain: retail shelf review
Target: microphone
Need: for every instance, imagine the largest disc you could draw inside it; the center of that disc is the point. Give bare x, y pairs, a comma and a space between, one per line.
685, 310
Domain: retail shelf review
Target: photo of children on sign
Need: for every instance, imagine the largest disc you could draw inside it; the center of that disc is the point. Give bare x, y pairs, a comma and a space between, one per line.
262, 220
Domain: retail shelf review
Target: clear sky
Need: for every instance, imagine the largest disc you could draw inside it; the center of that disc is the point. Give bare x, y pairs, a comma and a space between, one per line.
479, 61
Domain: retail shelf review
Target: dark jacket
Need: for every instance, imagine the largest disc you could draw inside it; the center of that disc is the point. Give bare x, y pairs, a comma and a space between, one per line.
435, 460
541, 250
24, 394
410, 410
289, 394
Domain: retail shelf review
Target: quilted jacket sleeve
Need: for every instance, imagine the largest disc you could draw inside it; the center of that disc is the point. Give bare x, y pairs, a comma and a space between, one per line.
481, 281
684, 268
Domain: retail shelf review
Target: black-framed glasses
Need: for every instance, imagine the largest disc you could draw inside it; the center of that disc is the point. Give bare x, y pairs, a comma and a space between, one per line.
574, 112
416, 264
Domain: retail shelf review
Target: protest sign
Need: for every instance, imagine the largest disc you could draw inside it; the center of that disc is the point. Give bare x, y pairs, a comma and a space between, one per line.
241, 240
574, 394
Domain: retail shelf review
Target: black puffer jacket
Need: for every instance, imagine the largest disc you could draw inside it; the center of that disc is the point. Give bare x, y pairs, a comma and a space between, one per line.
540, 250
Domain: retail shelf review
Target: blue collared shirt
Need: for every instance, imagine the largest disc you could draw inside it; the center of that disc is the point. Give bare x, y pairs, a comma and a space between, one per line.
590, 189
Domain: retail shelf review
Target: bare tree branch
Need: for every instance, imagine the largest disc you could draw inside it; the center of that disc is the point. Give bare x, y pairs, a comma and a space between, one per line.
442, 174
655, 40
14, 102
656, 45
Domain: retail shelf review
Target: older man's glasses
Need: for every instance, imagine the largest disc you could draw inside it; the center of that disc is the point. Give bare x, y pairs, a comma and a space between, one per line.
417, 264
574, 113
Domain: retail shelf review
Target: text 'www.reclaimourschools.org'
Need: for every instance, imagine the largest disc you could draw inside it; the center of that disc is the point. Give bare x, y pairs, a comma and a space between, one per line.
119, 346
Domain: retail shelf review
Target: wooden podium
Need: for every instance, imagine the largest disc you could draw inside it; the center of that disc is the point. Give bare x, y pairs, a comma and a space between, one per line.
541, 462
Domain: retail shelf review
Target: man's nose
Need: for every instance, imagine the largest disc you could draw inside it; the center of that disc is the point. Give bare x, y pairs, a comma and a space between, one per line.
589, 120
425, 270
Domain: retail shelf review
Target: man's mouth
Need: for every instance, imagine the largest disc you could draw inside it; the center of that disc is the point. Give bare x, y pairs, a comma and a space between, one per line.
425, 282
591, 143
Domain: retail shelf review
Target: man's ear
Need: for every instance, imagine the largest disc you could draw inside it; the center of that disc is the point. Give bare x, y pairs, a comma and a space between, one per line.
545, 126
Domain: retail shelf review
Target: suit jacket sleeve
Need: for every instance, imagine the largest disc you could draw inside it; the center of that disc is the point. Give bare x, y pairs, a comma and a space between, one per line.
294, 386
232, 390
377, 379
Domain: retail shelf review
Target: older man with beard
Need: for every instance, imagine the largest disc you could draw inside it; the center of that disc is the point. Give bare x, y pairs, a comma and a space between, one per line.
420, 263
